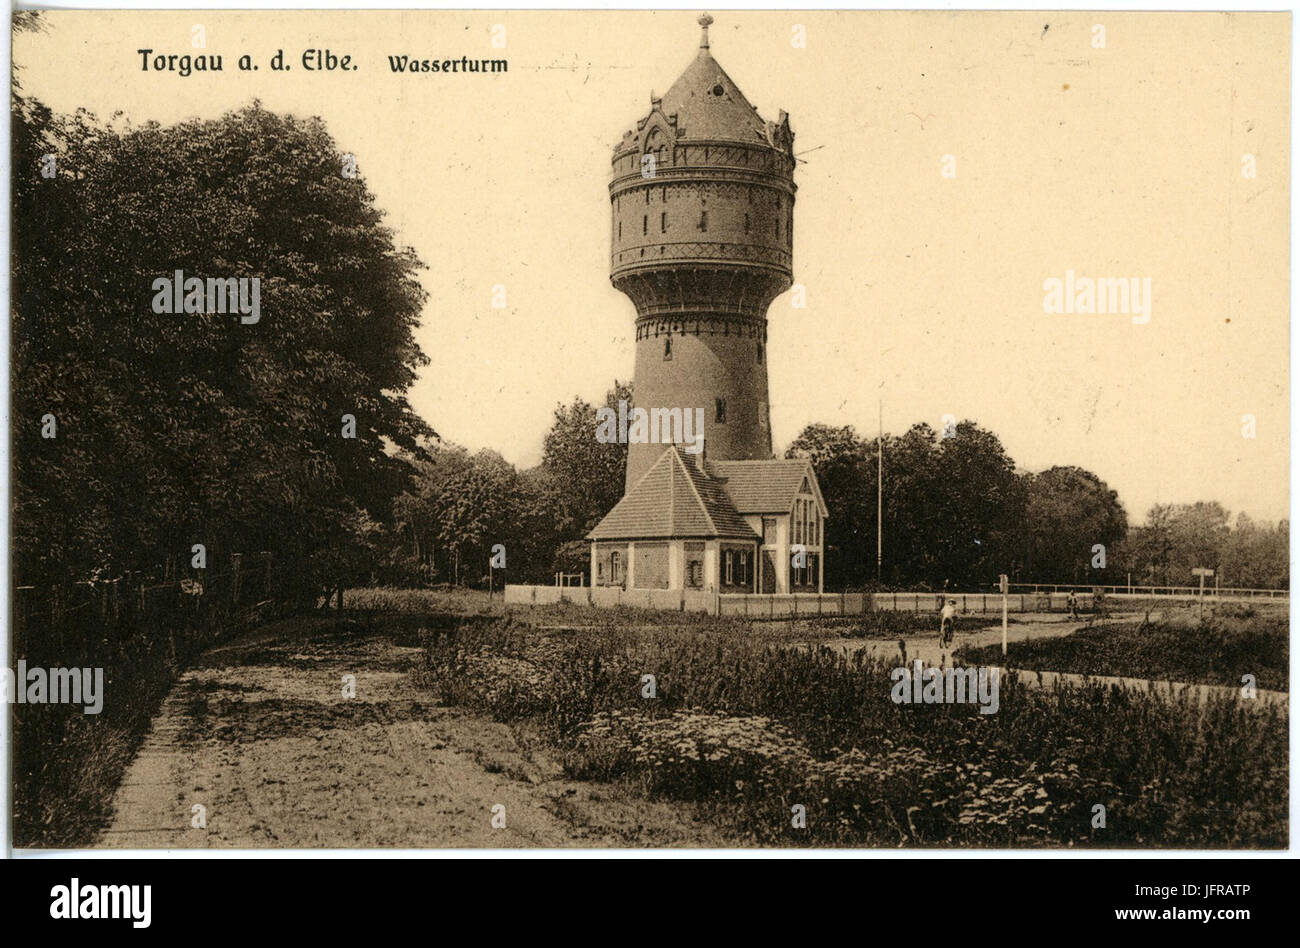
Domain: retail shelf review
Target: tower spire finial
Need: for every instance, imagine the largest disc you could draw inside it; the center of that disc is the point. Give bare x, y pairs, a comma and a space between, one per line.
704, 21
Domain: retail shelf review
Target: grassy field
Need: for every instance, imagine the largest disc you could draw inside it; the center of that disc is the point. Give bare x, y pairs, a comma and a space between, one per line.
750, 728
1237, 640
755, 723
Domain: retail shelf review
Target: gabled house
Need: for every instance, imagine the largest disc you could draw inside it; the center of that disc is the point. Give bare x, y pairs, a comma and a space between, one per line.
725, 526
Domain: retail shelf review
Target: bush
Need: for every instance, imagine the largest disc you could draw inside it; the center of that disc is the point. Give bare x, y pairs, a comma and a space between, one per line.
750, 724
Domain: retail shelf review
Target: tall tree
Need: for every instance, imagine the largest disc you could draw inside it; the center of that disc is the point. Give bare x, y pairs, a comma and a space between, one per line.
1071, 512
953, 505
1255, 555
585, 474
195, 427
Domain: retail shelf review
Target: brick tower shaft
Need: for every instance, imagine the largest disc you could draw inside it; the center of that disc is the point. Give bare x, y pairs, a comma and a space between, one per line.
702, 198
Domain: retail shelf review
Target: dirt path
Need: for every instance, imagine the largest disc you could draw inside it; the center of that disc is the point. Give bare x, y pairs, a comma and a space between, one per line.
262, 737
1040, 626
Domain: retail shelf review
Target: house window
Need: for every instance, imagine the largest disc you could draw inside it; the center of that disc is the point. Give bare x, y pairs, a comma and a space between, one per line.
720, 411
668, 348
615, 567
730, 567
695, 574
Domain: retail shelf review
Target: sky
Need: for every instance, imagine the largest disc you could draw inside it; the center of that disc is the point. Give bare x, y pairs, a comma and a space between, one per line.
924, 290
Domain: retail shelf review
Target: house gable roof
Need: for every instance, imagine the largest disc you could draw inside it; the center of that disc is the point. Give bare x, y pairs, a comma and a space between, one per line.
674, 498
767, 487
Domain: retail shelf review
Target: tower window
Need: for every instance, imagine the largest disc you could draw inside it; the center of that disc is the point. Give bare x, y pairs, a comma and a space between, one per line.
663, 223
620, 230
663, 193
647, 195
704, 220
645, 223
668, 348
759, 349
720, 410
777, 224
747, 222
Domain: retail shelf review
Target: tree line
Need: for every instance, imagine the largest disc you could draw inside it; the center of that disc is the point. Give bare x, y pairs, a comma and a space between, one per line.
956, 510
138, 434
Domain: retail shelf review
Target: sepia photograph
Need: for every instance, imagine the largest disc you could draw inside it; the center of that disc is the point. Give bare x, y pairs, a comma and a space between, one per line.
640, 430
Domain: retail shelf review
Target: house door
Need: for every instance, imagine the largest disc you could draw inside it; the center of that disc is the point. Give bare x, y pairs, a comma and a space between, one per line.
768, 584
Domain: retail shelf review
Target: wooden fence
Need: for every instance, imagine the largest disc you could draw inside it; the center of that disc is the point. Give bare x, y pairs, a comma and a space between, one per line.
812, 604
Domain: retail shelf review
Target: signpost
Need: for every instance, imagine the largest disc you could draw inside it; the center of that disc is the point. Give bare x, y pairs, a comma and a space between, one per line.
1202, 572
1002, 585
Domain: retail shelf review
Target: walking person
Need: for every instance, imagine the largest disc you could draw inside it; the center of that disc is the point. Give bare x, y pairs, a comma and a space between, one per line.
947, 622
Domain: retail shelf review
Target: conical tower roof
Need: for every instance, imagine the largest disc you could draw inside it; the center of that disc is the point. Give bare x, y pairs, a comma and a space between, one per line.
708, 104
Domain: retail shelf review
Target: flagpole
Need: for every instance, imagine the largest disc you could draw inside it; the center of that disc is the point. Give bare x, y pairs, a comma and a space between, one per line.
880, 484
